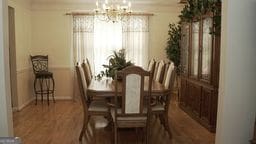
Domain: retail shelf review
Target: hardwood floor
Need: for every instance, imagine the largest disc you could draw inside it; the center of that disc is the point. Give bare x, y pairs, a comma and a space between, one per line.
60, 123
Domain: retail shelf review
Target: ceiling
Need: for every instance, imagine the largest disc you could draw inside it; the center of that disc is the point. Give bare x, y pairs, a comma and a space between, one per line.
150, 2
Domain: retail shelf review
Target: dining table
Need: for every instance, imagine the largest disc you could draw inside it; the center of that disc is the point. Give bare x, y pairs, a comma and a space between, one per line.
105, 87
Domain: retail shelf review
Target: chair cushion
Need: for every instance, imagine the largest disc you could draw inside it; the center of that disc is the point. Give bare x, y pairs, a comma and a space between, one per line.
98, 106
43, 74
158, 108
128, 118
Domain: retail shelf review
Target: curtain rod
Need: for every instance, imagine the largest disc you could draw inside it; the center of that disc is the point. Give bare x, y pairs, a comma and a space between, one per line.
90, 13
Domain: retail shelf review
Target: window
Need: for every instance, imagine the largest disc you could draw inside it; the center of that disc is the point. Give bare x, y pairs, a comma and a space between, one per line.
96, 40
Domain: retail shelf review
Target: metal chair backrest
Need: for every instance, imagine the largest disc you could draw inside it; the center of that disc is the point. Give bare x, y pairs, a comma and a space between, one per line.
39, 63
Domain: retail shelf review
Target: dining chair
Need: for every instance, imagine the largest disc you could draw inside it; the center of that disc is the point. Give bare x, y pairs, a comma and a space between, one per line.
151, 66
90, 108
161, 108
90, 67
87, 72
159, 72
134, 110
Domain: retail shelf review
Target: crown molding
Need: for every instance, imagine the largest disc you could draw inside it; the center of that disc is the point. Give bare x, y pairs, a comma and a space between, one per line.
138, 7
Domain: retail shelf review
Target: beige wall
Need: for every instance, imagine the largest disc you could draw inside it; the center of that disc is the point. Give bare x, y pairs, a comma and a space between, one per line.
45, 29
158, 33
52, 35
23, 35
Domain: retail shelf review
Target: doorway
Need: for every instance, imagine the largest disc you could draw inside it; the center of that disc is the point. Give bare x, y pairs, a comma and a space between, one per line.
12, 58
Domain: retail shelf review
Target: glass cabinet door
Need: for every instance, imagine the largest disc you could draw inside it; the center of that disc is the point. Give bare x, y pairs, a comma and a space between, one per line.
206, 49
194, 49
184, 48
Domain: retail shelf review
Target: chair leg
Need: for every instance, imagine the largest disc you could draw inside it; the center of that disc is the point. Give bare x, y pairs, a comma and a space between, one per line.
47, 89
35, 89
41, 88
82, 132
161, 118
115, 134
166, 125
85, 123
53, 86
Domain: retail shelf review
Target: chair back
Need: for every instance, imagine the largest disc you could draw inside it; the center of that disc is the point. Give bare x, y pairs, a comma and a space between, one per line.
160, 71
169, 82
151, 66
169, 69
87, 73
39, 63
82, 86
132, 91
89, 67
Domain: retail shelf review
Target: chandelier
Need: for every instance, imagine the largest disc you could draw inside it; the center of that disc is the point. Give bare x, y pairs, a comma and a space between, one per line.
113, 10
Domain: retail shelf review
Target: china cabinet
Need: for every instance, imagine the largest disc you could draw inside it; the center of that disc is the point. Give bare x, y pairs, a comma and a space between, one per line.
253, 141
200, 58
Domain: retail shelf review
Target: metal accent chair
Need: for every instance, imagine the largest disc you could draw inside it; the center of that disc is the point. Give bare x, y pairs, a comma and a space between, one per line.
42, 77
161, 108
90, 108
134, 110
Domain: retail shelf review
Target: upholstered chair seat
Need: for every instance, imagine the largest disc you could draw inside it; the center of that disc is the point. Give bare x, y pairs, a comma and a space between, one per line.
98, 106
43, 74
157, 107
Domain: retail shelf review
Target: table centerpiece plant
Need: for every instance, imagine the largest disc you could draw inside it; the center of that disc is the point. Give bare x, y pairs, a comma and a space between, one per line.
117, 62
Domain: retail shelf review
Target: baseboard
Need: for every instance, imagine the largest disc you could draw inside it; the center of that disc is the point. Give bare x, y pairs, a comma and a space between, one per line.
25, 104
15, 109
64, 98
58, 98
39, 98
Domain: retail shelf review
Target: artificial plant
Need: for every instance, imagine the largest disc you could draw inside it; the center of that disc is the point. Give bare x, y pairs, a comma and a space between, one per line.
117, 62
173, 44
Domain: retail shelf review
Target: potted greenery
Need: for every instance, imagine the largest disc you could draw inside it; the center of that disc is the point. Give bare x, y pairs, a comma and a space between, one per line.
117, 62
173, 49
173, 45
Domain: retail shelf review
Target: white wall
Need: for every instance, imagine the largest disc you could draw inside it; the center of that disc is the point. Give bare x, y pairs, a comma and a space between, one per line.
6, 126
237, 98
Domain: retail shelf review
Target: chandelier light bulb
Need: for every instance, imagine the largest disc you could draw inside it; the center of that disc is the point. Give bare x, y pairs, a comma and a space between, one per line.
113, 10
97, 4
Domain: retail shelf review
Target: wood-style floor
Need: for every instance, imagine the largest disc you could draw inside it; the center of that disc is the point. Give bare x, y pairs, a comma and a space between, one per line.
60, 123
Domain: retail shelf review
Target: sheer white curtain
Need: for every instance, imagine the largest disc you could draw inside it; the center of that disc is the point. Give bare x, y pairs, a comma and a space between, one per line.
135, 39
96, 40
107, 38
83, 38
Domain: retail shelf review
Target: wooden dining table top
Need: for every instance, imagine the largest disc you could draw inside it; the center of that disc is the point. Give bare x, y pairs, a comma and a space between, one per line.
106, 88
